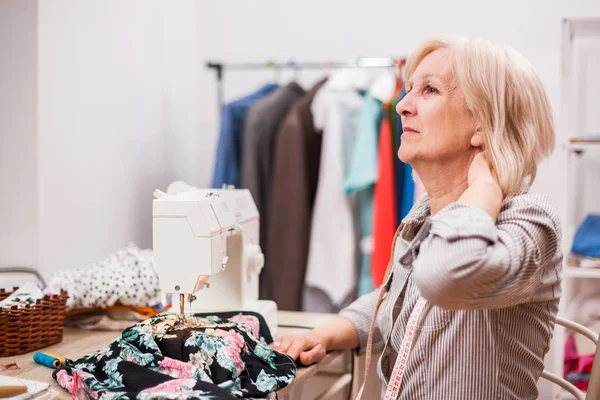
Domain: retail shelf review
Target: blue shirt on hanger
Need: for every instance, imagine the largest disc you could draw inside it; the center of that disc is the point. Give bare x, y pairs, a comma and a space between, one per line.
229, 149
408, 191
405, 185
398, 164
361, 178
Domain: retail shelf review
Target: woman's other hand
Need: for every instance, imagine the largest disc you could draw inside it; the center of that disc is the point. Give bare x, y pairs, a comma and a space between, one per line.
306, 348
484, 190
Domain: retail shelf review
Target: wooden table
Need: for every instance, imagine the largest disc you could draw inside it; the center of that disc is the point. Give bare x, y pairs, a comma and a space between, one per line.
77, 343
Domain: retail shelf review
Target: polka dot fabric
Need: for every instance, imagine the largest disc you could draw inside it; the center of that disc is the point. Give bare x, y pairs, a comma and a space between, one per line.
126, 277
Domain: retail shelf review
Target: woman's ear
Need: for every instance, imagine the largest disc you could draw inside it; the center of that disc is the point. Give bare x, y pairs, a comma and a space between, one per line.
477, 140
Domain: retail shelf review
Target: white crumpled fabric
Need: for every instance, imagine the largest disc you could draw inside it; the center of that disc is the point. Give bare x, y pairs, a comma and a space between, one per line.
125, 277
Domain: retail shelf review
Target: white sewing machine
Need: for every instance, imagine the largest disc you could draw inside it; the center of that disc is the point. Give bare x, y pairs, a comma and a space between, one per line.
206, 250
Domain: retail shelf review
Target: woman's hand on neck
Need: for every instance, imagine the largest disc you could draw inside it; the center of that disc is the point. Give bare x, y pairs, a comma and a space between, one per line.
484, 190
467, 181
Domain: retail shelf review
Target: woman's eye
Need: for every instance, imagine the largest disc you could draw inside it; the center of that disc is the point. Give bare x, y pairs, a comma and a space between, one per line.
430, 89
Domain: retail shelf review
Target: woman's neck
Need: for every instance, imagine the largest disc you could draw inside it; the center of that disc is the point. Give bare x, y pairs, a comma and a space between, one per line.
444, 184
444, 196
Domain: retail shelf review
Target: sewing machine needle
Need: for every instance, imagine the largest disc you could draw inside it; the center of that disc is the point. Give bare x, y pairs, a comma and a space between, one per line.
191, 298
181, 304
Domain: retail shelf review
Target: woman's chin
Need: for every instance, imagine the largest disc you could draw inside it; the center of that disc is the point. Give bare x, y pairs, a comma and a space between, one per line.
405, 155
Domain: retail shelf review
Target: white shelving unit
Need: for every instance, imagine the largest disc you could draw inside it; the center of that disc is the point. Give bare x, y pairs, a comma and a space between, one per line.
584, 273
583, 147
580, 112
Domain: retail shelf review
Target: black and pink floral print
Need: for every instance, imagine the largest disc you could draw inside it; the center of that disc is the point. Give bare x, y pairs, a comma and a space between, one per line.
223, 356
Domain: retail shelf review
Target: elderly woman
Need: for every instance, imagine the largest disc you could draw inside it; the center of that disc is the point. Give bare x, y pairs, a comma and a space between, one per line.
468, 307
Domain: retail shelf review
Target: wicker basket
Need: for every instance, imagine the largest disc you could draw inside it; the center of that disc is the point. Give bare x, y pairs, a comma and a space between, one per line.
31, 328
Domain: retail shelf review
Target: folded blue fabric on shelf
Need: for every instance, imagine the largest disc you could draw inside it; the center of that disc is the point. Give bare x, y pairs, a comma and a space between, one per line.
587, 238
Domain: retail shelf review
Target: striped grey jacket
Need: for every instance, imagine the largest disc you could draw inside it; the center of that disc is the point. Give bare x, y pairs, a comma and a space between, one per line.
492, 292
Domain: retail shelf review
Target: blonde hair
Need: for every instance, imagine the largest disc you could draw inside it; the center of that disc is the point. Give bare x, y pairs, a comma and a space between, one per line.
508, 102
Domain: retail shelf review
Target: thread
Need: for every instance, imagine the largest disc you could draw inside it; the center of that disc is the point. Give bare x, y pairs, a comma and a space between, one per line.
46, 360
59, 358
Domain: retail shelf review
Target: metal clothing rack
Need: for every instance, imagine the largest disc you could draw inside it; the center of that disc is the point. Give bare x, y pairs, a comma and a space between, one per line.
359, 62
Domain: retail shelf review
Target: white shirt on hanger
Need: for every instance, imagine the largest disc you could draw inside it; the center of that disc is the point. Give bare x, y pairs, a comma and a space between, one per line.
384, 86
331, 264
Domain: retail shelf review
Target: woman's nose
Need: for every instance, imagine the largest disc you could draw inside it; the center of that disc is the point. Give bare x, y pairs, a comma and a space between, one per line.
406, 107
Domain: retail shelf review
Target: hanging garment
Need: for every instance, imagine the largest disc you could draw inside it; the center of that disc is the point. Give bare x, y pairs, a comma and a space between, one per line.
408, 183
361, 179
222, 356
262, 121
384, 212
126, 277
399, 166
332, 264
296, 158
408, 190
362, 175
229, 149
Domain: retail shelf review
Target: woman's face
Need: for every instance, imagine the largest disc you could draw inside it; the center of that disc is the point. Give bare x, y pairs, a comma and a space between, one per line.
437, 124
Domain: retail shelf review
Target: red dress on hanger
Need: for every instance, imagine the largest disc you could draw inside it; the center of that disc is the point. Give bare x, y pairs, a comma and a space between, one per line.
384, 205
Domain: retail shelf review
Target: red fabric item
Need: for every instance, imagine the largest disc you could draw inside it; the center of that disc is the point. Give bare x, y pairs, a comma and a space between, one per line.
384, 206
575, 362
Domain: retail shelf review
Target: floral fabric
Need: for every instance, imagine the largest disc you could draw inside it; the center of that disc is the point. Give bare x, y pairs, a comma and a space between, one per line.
27, 294
222, 356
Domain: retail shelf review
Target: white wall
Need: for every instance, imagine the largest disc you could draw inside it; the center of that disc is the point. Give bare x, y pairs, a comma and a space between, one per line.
18, 123
118, 117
